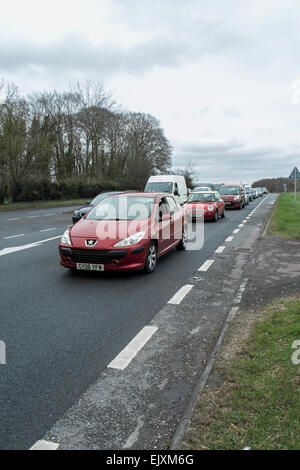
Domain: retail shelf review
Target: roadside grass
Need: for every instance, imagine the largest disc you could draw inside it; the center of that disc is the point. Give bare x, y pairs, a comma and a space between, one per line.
258, 399
285, 220
40, 204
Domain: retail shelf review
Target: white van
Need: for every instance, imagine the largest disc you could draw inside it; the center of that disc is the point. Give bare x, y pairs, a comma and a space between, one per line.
173, 184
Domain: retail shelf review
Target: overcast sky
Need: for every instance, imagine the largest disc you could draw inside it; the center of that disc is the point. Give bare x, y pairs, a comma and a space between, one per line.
222, 76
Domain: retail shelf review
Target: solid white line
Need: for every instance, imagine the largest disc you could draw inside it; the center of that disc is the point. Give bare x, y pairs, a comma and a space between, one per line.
236, 230
14, 236
180, 295
229, 239
220, 249
16, 218
122, 360
48, 229
205, 266
44, 445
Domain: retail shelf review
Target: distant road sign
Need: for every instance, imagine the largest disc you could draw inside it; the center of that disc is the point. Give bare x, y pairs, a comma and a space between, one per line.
295, 175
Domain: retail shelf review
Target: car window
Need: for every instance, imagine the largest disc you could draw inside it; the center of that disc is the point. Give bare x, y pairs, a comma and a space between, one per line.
173, 205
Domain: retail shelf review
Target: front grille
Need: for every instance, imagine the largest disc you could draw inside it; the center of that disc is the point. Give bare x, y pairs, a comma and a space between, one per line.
93, 256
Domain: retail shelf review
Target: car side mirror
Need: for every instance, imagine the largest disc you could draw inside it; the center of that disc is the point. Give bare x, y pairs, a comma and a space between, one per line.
176, 193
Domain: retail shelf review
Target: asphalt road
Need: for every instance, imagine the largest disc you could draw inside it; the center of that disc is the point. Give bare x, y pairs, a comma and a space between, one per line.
62, 328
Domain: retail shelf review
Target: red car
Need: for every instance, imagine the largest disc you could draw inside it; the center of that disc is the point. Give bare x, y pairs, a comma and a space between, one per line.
124, 232
207, 204
233, 196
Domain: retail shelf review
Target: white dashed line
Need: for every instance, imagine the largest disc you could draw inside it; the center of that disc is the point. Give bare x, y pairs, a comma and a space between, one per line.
125, 357
16, 218
241, 225
220, 249
15, 249
44, 445
48, 229
205, 266
229, 239
236, 230
180, 295
48, 215
14, 236
32, 217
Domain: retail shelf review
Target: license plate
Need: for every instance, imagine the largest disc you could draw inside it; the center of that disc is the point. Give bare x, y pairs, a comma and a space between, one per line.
90, 267
228, 203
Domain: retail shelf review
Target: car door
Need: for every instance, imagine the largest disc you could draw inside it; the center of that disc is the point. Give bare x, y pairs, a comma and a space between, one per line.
176, 220
165, 237
221, 204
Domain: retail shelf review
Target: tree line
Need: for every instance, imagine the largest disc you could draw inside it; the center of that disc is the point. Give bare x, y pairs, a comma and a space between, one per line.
275, 185
75, 143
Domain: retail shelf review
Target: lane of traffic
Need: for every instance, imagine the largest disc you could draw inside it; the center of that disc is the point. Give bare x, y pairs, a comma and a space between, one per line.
63, 328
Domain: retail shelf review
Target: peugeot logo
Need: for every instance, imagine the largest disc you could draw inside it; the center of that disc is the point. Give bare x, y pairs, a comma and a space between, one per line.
90, 243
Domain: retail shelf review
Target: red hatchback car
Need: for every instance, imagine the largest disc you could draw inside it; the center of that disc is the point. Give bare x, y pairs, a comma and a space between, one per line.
207, 204
124, 232
233, 196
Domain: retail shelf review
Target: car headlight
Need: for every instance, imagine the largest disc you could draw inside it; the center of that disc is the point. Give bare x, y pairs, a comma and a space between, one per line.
236, 198
65, 239
210, 208
132, 240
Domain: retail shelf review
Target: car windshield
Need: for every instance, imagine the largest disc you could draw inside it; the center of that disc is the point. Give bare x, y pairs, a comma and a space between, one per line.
228, 190
123, 208
201, 188
159, 187
100, 197
203, 197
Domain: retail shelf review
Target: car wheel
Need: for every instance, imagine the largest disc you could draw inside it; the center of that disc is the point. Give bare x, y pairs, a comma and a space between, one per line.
223, 214
151, 258
216, 216
183, 242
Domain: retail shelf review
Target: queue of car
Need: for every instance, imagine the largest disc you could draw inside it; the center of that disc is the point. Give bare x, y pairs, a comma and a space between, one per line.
131, 230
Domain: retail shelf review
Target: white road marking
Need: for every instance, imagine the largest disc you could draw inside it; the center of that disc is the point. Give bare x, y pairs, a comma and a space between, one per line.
32, 217
16, 218
229, 239
48, 215
14, 236
236, 230
48, 229
220, 249
241, 225
122, 360
205, 266
14, 249
180, 295
44, 445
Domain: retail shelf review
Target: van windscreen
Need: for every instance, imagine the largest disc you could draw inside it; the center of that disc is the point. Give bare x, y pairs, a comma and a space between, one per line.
159, 187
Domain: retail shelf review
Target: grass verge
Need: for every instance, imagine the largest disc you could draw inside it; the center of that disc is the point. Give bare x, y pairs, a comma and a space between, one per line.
285, 220
256, 401
40, 205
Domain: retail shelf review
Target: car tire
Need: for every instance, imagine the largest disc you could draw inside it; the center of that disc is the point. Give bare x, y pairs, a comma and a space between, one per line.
183, 242
223, 214
216, 216
151, 258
